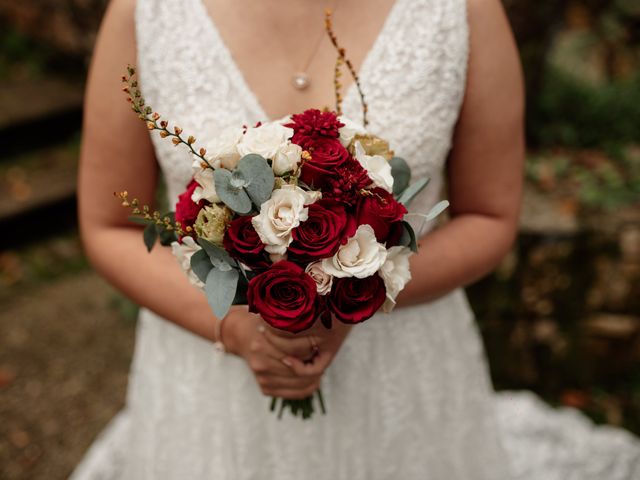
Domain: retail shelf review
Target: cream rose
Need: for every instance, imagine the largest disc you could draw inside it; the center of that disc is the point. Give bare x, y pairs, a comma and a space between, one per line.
287, 159
223, 149
183, 253
350, 130
396, 274
323, 280
265, 140
360, 257
279, 215
377, 167
207, 188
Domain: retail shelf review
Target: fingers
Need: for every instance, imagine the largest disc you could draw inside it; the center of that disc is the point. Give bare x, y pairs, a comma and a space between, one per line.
301, 347
313, 369
291, 393
290, 383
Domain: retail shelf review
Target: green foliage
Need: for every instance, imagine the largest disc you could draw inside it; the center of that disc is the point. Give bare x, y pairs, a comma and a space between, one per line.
220, 288
573, 113
412, 190
259, 176
150, 235
408, 238
218, 256
250, 183
401, 173
201, 265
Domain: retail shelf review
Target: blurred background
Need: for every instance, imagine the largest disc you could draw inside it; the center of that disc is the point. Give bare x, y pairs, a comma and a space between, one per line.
560, 316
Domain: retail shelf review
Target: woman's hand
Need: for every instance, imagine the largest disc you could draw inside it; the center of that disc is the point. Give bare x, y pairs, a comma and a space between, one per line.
243, 334
311, 352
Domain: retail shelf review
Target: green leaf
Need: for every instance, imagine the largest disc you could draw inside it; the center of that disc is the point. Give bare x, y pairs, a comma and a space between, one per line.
241, 291
437, 209
220, 288
259, 176
413, 190
401, 173
150, 235
408, 237
218, 255
167, 237
233, 197
201, 265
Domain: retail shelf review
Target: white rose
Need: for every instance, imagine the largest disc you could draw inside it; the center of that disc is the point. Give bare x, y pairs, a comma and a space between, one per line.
360, 257
396, 274
377, 167
183, 252
323, 280
207, 188
350, 130
265, 140
287, 159
223, 149
279, 215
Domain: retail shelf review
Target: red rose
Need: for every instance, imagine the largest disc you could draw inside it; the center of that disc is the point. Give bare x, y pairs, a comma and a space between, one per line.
313, 124
243, 243
382, 212
186, 209
322, 233
347, 182
284, 296
327, 155
354, 300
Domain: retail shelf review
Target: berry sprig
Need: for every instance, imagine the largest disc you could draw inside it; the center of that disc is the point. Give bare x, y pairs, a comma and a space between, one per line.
342, 59
143, 214
152, 119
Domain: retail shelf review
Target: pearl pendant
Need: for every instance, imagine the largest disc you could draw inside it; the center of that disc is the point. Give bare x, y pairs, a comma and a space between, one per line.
300, 80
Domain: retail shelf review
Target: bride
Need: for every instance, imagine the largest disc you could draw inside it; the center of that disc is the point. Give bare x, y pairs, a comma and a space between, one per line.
408, 394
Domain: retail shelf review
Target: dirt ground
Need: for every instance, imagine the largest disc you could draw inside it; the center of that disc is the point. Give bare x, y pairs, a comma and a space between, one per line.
65, 349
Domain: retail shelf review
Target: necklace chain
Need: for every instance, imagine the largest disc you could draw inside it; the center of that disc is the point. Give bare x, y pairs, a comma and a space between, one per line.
301, 79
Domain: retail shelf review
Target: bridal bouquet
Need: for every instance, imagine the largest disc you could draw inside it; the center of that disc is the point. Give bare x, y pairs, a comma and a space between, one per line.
302, 219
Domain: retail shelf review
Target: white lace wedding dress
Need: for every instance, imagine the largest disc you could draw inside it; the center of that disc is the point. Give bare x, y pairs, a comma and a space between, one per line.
408, 395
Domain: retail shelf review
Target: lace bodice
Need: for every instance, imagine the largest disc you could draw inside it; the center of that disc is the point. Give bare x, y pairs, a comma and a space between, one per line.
413, 76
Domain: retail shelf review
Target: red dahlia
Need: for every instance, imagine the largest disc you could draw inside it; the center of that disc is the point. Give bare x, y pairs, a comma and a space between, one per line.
345, 186
312, 124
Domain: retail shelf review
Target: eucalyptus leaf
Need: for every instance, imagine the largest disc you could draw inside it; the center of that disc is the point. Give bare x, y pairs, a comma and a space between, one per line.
201, 265
259, 174
150, 235
437, 209
233, 197
218, 255
408, 237
401, 173
413, 190
220, 288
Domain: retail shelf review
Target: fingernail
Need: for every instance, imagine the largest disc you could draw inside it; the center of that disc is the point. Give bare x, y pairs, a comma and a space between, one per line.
261, 328
287, 362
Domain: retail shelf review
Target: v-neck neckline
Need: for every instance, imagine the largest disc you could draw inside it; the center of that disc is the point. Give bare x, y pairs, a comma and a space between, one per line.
237, 75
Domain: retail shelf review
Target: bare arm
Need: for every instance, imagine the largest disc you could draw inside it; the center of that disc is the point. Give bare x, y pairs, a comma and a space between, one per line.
485, 166
116, 155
